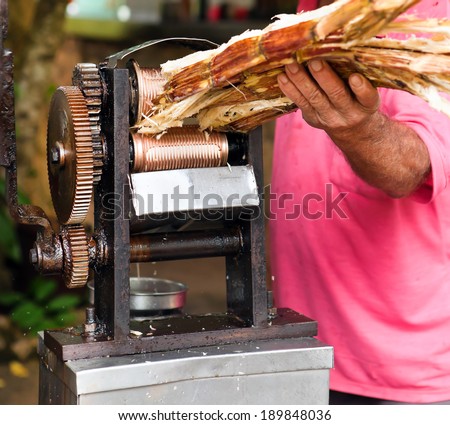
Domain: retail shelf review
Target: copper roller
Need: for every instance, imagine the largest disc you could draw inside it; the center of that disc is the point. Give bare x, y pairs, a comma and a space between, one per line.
185, 147
146, 85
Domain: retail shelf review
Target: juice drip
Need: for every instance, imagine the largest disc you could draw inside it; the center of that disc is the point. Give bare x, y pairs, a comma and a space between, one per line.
138, 270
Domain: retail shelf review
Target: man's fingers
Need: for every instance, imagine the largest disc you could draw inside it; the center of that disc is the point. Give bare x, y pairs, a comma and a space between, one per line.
325, 99
292, 92
307, 86
365, 93
331, 84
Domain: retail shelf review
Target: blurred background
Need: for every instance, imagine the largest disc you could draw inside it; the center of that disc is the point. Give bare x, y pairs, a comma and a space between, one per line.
48, 38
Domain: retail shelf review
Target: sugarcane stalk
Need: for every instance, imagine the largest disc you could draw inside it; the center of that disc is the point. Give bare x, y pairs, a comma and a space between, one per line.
234, 87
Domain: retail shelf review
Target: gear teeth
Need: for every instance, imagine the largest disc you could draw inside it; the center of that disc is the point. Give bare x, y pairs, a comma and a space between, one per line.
76, 255
84, 156
87, 78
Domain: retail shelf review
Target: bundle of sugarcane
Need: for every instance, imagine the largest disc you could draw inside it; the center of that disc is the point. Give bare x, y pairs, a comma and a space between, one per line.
234, 87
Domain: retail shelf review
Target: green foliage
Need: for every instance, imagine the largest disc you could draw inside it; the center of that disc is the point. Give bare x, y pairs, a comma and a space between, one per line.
9, 241
50, 91
40, 307
22, 197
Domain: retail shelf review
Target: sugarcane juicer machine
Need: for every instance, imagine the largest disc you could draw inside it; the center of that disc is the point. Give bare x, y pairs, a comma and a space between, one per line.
151, 199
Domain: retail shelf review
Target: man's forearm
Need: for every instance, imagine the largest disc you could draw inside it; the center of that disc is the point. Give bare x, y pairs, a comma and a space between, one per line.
386, 154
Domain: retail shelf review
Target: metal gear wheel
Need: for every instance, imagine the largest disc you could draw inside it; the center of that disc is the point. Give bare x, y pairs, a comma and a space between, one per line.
76, 255
70, 159
87, 78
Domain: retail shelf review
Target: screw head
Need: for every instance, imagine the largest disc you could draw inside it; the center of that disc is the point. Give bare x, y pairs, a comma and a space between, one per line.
55, 155
34, 256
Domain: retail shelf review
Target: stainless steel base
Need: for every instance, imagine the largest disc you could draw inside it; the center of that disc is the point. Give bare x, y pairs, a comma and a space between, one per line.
290, 371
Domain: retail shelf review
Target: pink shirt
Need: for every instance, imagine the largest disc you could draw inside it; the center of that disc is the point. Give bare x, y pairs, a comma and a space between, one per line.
372, 270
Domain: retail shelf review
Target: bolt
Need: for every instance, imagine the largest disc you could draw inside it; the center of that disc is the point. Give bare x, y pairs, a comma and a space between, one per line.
34, 258
90, 315
90, 325
58, 154
55, 155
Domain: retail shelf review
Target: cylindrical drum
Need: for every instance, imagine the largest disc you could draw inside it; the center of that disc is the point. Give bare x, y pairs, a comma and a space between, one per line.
179, 148
146, 85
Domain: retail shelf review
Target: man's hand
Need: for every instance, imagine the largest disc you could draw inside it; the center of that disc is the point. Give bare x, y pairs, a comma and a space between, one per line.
385, 153
326, 101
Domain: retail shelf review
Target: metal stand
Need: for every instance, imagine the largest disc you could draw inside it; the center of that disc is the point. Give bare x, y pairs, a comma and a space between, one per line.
276, 372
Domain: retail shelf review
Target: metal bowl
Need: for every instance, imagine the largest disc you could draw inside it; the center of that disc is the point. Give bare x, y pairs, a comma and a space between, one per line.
149, 294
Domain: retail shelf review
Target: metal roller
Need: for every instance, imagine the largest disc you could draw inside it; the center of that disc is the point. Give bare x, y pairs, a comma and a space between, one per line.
184, 245
146, 85
185, 147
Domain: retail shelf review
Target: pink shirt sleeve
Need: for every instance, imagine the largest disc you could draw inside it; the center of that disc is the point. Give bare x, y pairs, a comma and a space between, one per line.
432, 127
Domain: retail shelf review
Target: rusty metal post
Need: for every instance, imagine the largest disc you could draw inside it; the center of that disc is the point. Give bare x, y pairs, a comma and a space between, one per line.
111, 210
246, 272
5, 85
23, 214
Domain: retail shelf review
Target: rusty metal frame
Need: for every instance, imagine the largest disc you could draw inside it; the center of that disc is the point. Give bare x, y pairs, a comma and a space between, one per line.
29, 215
